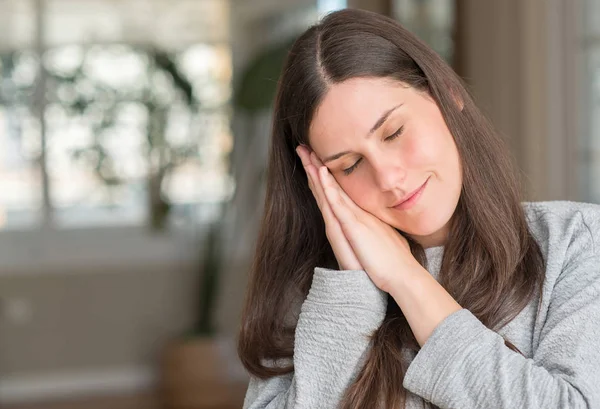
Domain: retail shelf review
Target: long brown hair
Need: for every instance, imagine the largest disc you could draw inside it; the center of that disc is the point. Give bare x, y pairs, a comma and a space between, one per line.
492, 264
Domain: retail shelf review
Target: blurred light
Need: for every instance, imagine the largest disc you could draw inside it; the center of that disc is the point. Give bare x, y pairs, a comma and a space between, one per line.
327, 6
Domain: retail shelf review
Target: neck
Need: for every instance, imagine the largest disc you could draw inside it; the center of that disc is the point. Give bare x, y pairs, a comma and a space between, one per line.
437, 239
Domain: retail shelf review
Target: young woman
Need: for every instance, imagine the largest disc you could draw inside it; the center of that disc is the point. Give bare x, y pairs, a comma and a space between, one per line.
396, 265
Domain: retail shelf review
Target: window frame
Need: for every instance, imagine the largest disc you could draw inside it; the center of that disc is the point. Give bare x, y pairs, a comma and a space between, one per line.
49, 249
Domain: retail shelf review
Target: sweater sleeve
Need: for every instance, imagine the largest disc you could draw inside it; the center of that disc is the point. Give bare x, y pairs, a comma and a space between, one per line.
465, 365
341, 311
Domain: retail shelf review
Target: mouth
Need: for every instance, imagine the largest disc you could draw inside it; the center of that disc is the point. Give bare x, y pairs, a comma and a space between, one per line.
409, 200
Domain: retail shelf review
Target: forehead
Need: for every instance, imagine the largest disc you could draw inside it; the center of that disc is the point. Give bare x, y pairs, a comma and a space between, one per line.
351, 108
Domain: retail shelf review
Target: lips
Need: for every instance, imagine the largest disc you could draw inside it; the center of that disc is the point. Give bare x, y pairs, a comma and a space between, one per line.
410, 195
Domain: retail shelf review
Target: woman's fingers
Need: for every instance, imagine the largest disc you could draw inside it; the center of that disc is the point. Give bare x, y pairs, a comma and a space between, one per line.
342, 207
311, 173
326, 179
317, 190
347, 260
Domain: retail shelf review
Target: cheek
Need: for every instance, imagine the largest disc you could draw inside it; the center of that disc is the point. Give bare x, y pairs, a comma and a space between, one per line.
421, 150
360, 191
428, 146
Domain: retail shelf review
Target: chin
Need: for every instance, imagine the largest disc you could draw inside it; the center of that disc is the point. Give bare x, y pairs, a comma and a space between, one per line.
427, 223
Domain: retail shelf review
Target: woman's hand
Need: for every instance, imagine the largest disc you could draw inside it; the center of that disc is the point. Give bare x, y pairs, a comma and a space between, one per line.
382, 252
344, 254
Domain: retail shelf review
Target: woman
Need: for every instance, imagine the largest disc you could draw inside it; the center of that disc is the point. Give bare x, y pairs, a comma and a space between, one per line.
416, 278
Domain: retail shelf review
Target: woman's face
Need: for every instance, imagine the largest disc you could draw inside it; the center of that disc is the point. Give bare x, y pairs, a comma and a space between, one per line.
383, 141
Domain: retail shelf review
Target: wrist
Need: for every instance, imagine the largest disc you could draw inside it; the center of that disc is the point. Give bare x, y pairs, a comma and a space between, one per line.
410, 279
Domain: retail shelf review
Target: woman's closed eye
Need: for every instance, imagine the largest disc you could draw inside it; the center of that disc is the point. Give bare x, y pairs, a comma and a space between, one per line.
349, 170
393, 136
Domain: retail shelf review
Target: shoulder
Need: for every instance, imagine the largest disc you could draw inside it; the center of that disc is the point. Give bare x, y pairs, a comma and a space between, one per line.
567, 232
574, 223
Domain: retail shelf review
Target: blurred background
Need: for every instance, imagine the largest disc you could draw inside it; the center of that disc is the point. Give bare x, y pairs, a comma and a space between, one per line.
133, 142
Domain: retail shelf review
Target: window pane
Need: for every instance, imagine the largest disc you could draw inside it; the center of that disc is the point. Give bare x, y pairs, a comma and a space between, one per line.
17, 24
94, 134
129, 124
431, 20
590, 148
165, 23
591, 17
20, 142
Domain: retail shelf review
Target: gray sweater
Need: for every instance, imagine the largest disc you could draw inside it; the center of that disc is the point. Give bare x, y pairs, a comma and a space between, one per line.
463, 364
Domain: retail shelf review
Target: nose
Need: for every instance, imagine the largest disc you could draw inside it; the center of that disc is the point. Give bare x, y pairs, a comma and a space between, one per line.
389, 173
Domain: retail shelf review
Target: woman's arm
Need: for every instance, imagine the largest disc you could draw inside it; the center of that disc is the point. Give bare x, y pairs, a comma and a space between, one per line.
341, 311
465, 365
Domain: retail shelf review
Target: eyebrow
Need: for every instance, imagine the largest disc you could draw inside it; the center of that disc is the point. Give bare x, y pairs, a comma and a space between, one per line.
375, 127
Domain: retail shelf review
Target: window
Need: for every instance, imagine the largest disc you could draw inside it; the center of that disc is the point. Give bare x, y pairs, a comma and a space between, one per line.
327, 6
430, 20
590, 148
113, 112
